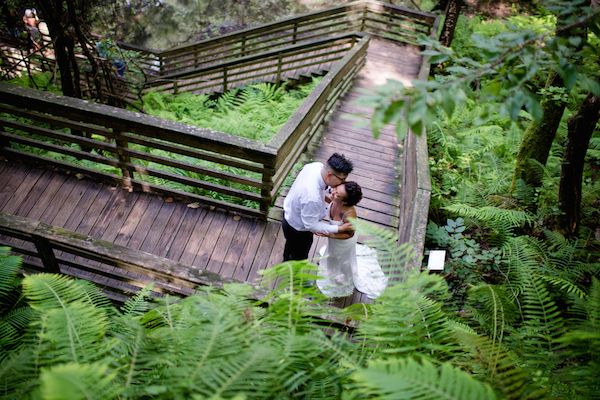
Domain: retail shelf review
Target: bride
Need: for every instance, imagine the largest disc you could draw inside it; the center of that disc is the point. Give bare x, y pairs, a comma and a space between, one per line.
345, 264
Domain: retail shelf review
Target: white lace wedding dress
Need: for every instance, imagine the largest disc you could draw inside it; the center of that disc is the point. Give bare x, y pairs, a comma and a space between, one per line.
346, 264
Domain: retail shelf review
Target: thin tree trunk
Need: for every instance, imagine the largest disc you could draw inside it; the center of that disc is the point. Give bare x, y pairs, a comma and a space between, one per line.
580, 129
538, 138
452, 13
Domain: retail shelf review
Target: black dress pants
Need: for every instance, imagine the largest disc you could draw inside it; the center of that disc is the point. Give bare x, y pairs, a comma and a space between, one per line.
297, 243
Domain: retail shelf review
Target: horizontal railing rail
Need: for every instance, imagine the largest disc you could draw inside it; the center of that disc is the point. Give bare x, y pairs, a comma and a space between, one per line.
134, 149
270, 66
294, 136
120, 271
373, 17
210, 167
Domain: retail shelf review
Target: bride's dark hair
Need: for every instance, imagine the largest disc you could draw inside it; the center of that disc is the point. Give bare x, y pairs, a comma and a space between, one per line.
353, 193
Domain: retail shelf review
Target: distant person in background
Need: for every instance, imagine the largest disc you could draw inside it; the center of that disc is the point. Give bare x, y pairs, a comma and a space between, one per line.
31, 21
305, 205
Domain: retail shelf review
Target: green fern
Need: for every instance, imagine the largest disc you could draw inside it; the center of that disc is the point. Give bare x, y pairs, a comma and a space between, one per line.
78, 381
488, 214
406, 378
405, 320
396, 260
581, 347
495, 363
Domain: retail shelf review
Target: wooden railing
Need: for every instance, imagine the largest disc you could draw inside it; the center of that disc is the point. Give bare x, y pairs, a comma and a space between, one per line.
372, 17
269, 66
120, 271
133, 149
175, 159
152, 154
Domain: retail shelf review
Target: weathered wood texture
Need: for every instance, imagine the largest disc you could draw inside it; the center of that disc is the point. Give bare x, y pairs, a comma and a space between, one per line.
205, 238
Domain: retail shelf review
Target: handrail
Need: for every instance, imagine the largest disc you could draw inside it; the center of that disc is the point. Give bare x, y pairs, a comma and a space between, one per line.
120, 139
294, 136
278, 64
52, 249
363, 15
120, 146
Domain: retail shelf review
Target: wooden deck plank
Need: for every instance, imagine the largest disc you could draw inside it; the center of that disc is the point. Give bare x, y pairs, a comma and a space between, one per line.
21, 192
195, 239
167, 235
184, 233
217, 256
246, 260
244, 231
56, 204
262, 257
145, 222
12, 178
210, 240
158, 229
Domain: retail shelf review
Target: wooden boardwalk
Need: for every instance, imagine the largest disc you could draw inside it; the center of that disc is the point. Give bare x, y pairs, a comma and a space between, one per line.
231, 245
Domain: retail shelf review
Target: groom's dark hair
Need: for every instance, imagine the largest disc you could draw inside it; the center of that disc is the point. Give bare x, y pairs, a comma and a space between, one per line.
353, 193
339, 163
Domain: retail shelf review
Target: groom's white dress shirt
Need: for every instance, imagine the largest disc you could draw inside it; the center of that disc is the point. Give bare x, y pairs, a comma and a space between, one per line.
304, 206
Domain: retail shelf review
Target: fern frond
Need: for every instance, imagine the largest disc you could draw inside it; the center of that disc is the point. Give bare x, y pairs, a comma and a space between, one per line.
9, 273
49, 291
497, 365
488, 214
12, 326
406, 378
580, 349
405, 321
493, 307
564, 285
139, 303
396, 260
78, 381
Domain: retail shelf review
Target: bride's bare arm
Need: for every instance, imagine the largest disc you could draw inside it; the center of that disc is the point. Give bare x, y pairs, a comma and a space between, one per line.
346, 230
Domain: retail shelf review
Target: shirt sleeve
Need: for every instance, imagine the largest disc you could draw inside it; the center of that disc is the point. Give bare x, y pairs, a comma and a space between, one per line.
311, 214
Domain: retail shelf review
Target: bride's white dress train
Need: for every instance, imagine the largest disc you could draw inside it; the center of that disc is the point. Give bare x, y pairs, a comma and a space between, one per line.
346, 264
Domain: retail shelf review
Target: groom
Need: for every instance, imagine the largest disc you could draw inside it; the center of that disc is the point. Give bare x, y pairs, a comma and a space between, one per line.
304, 206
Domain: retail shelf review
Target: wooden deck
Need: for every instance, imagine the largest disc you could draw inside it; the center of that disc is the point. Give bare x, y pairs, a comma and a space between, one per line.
231, 245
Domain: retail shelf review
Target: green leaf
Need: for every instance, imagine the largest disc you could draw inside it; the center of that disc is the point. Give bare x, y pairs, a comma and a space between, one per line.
448, 104
393, 111
533, 106
590, 84
401, 128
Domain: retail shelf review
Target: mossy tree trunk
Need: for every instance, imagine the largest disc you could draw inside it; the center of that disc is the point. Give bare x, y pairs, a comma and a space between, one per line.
538, 138
580, 129
452, 13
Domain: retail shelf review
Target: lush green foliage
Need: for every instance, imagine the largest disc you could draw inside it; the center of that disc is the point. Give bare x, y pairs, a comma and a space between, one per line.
517, 339
256, 112
502, 67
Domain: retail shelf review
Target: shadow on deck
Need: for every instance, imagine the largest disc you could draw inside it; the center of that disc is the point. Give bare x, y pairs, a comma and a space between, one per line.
225, 243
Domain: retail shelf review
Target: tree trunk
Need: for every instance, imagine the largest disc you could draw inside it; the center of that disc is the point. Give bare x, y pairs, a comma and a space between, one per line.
581, 127
537, 140
452, 12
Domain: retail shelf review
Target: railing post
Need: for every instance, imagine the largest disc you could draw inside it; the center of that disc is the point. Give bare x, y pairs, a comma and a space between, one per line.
279, 62
243, 47
224, 79
364, 18
3, 141
124, 160
266, 188
45, 253
175, 87
295, 36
